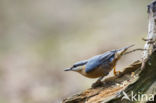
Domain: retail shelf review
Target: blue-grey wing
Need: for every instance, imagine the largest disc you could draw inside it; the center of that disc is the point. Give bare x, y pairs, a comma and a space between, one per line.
108, 56
80, 63
96, 61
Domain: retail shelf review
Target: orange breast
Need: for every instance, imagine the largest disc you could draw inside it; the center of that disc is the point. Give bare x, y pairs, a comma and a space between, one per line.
98, 72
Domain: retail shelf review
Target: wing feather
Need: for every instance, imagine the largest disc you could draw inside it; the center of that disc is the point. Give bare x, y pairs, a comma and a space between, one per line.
96, 61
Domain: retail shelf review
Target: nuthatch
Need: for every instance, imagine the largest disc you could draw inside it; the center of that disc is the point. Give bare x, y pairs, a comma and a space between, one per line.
100, 65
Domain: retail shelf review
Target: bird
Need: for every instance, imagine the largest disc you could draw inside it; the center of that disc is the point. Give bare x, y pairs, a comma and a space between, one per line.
100, 65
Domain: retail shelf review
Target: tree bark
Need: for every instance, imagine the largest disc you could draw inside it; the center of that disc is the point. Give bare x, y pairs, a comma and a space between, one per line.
140, 77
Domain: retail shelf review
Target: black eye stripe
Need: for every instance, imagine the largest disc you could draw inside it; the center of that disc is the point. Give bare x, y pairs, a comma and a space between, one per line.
79, 64
74, 66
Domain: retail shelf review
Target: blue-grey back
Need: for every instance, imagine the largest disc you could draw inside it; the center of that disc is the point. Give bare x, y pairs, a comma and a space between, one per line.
98, 60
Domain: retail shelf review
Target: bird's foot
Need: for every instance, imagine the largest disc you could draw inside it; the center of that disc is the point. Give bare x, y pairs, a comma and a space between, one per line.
97, 84
117, 73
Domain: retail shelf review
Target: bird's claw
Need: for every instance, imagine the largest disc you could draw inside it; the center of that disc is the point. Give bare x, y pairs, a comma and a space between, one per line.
117, 73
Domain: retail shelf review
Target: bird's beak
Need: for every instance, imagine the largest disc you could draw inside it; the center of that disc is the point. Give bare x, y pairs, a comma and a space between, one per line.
68, 69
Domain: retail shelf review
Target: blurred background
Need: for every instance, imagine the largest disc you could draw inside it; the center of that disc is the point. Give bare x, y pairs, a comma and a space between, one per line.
40, 38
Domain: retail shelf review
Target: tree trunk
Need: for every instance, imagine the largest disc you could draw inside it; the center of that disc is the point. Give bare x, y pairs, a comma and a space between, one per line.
135, 82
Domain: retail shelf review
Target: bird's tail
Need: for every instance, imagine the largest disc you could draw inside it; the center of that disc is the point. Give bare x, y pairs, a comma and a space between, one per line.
125, 48
121, 51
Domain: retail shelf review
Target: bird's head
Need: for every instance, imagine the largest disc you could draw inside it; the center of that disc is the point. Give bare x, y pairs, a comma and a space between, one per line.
78, 67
